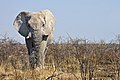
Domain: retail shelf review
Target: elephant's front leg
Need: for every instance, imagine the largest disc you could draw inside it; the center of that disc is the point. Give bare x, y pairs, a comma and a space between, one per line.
29, 45
43, 50
31, 52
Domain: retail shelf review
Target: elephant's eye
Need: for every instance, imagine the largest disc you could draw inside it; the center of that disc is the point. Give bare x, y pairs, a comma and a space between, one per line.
43, 25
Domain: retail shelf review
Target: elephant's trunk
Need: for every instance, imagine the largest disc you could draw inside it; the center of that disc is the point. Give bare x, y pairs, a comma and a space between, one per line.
39, 47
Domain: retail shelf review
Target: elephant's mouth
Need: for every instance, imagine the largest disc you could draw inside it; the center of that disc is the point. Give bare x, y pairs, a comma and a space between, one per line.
44, 37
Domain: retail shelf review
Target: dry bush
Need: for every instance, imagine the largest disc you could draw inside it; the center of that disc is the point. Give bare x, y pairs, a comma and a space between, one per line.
65, 60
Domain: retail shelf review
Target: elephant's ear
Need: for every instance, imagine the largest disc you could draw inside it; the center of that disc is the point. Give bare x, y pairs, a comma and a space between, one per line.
20, 24
49, 21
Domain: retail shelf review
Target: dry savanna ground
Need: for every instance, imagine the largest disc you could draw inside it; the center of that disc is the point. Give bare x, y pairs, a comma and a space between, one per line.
65, 60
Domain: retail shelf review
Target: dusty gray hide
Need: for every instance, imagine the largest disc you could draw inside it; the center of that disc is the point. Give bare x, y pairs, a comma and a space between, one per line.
37, 28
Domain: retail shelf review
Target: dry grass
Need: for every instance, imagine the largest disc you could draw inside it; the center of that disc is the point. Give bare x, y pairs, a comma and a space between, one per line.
70, 60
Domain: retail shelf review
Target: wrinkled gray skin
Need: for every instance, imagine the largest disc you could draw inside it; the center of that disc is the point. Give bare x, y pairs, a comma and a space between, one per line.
37, 28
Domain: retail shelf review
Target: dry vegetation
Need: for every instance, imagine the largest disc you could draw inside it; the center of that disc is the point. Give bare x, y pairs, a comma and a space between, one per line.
65, 60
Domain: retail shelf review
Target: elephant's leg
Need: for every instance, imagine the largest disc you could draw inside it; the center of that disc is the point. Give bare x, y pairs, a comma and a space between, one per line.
28, 45
31, 52
43, 52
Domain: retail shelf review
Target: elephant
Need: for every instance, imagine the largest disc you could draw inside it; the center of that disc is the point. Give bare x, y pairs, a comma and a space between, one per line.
38, 30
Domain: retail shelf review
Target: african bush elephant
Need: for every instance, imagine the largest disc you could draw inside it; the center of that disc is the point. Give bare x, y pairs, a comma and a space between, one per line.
37, 28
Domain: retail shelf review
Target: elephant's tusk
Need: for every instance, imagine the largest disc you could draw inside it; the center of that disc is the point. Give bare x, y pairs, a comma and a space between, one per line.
29, 35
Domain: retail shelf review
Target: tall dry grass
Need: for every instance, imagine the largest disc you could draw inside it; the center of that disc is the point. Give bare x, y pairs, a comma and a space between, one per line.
65, 60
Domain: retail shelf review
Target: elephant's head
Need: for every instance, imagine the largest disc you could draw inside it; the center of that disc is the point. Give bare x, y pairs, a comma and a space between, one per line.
26, 22
37, 28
